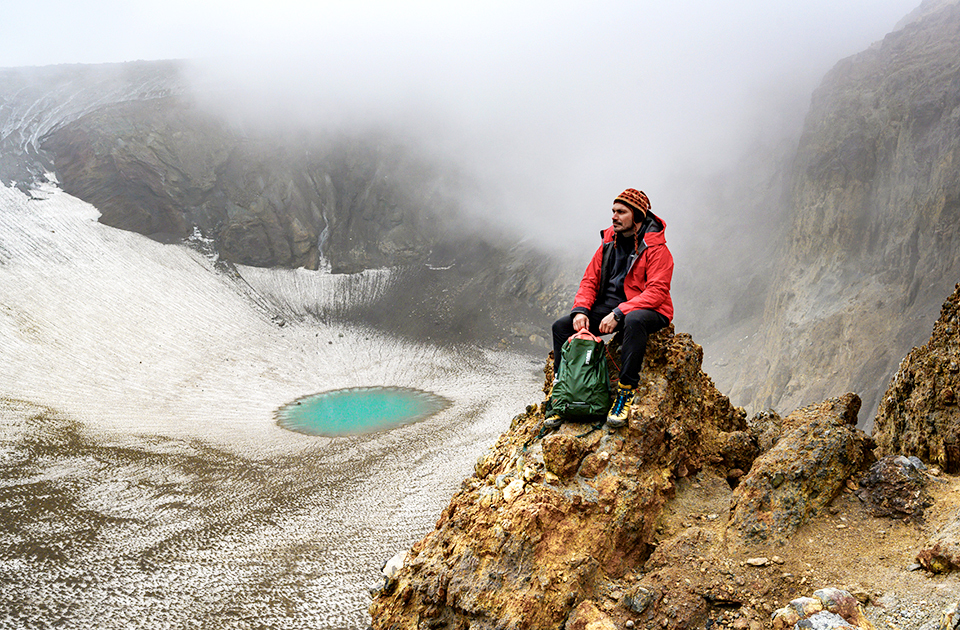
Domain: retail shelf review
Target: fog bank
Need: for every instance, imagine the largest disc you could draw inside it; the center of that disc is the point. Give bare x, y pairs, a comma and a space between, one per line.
555, 108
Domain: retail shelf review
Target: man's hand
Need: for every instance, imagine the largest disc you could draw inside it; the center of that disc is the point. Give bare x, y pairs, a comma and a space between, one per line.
580, 322
607, 325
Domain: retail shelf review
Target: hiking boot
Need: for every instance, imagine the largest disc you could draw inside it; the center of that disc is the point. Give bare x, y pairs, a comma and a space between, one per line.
620, 410
553, 421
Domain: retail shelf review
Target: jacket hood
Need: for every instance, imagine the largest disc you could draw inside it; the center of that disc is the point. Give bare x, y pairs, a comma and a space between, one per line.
654, 231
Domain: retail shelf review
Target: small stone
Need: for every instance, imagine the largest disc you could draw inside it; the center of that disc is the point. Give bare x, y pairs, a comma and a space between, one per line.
824, 620
777, 560
394, 564
639, 599
837, 601
489, 496
806, 606
758, 562
861, 595
914, 567
950, 617
513, 490
784, 618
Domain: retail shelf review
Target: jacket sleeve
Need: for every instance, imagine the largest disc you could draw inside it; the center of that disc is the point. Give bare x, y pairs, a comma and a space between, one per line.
587, 293
656, 289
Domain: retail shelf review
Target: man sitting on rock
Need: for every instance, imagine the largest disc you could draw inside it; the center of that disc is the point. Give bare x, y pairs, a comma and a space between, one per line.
626, 287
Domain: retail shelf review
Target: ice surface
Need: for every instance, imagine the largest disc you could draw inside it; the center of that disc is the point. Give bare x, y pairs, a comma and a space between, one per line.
145, 482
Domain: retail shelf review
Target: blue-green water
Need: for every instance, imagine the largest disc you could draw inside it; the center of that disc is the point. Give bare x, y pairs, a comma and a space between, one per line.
358, 410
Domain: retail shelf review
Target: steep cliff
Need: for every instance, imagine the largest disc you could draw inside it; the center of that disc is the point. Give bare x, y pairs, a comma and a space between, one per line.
874, 241
36, 101
163, 167
919, 414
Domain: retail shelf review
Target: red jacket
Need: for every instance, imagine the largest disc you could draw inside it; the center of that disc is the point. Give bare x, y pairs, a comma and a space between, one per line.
647, 284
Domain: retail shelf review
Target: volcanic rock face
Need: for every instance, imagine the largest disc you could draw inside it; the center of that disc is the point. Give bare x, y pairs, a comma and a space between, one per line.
162, 167
38, 100
875, 239
919, 414
549, 522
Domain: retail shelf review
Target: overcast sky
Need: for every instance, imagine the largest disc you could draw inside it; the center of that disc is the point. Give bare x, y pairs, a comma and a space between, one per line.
562, 104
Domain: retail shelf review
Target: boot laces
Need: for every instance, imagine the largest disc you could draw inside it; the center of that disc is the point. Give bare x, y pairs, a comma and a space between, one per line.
618, 405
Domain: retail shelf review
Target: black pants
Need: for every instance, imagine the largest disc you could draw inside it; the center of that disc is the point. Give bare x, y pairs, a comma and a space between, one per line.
637, 326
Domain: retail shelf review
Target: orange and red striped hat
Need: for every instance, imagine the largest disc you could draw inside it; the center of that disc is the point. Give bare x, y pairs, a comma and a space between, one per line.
636, 199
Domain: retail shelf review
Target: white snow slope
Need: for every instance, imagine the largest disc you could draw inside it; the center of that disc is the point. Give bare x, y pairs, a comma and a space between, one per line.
145, 482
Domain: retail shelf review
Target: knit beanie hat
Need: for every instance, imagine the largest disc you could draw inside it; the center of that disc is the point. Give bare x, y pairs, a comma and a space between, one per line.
636, 199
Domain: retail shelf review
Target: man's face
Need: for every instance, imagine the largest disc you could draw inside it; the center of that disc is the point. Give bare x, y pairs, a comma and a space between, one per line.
623, 219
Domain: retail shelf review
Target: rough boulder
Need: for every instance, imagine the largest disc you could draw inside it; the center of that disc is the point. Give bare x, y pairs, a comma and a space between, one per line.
895, 487
808, 467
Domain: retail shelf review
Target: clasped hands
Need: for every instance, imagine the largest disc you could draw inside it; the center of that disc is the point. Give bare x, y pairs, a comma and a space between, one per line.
607, 325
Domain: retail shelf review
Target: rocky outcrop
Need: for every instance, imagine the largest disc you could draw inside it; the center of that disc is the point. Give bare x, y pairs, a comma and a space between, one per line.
820, 449
638, 527
550, 525
875, 237
920, 412
591, 527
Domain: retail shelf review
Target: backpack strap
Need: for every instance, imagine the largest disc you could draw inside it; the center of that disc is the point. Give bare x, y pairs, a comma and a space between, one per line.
612, 360
595, 427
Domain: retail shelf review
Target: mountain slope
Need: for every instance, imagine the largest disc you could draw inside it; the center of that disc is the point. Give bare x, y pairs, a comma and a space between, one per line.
874, 242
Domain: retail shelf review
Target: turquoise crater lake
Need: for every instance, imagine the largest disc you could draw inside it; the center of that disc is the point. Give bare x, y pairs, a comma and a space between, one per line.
358, 410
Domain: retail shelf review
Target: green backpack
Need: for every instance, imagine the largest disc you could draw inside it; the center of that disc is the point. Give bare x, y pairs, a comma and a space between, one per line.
581, 387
